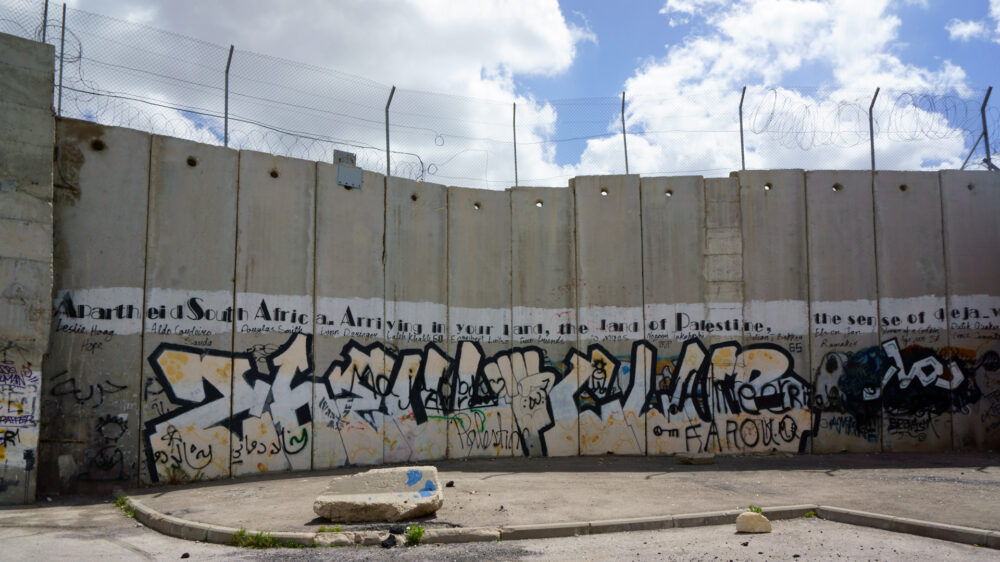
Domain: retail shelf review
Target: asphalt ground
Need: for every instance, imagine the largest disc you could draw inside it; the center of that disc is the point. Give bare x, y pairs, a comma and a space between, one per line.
948, 488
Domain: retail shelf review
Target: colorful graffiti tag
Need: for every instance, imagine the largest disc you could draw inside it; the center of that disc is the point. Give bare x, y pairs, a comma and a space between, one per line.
266, 408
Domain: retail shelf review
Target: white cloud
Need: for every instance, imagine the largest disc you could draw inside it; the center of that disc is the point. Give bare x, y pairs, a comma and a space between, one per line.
758, 43
681, 11
474, 51
995, 16
959, 30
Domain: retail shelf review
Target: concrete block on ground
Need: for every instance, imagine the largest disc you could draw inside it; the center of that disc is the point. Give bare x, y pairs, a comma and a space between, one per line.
612, 363
543, 294
187, 344
355, 369
416, 305
912, 294
844, 319
274, 324
381, 494
482, 379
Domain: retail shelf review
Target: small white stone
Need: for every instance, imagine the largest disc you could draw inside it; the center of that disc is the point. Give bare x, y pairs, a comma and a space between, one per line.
752, 522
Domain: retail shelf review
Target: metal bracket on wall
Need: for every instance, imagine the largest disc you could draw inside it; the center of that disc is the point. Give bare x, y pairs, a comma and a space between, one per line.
348, 174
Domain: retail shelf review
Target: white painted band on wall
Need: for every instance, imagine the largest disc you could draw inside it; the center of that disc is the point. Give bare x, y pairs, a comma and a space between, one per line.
189, 312
98, 310
974, 312
484, 325
259, 313
416, 322
914, 313
543, 325
610, 323
844, 318
350, 317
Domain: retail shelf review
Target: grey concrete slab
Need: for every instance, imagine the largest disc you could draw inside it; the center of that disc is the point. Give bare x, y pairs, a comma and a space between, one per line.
20, 166
971, 204
673, 251
26, 231
351, 360
416, 303
844, 310
775, 313
912, 291
543, 312
479, 291
187, 336
23, 124
92, 378
26, 85
609, 297
275, 257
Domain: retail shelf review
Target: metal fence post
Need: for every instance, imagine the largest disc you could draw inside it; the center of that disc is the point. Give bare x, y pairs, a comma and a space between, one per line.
514, 123
225, 137
871, 128
743, 156
62, 51
45, 20
624, 137
986, 132
391, 93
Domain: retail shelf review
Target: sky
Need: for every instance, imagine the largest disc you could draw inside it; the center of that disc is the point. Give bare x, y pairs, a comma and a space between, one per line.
810, 68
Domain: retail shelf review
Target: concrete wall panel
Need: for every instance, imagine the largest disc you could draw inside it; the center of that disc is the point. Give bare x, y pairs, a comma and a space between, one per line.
543, 257
26, 141
92, 377
351, 360
971, 205
274, 321
416, 309
912, 289
775, 318
187, 341
612, 371
673, 246
844, 343
481, 381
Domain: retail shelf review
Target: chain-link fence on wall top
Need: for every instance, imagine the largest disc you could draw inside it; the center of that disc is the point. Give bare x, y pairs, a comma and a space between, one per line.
125, 74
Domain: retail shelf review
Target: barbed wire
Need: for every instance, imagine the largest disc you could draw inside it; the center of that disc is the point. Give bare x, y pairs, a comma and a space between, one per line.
132, 75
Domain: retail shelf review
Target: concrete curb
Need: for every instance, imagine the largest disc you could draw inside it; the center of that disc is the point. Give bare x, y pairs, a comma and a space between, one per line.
196, 531
930, 529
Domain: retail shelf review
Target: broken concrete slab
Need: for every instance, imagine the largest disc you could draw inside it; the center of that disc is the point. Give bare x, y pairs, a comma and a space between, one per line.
381, 494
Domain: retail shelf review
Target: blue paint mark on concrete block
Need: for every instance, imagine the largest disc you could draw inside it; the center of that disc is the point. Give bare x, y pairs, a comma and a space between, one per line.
413, 476
427, 489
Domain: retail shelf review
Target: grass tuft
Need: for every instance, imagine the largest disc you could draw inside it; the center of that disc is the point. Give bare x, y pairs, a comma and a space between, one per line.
414, 534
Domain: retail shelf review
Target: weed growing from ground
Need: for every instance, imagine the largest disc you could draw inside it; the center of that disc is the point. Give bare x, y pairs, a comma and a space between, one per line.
414, 534
126, 506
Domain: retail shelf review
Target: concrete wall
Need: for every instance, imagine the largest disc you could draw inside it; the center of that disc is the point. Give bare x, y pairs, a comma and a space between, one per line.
290, 321
218, 313
26, 235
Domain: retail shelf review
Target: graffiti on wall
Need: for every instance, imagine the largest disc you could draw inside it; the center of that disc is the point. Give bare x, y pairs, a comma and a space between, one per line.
909, 388
376, 400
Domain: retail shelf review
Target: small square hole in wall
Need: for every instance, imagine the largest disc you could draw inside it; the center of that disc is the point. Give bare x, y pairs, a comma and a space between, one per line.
604, 192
